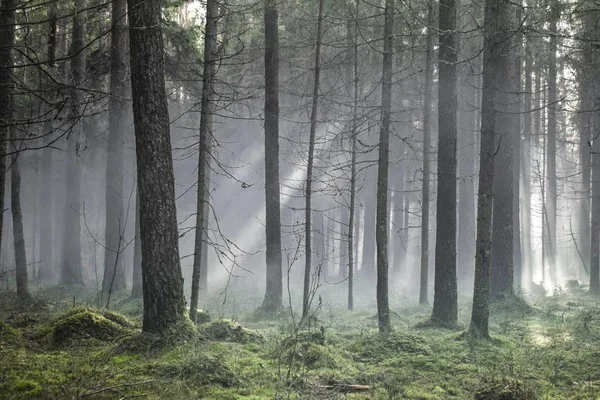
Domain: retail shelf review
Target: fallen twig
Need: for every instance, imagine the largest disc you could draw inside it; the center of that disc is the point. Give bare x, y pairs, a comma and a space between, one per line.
345, 388
111, 388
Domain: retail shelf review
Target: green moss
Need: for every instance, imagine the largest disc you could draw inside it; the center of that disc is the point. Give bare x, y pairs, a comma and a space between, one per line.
229, 331
376, 347
26, 387
506, 389
83, 323
8, 334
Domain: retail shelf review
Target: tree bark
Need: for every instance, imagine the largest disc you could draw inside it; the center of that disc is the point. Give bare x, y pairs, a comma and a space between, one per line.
309, 168
551, 195
274, 288
71, 273
485, 200
424, 273
136, 283
46, 267
118, 128
501, 278
445, 306
381, 227
17, 218
164, 302
7, 37
204, 153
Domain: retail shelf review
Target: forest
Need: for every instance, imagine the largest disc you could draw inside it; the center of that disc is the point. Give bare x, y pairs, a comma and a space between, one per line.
300, 199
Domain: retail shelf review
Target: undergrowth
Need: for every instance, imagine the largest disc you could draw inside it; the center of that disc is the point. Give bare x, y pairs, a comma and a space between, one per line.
52, 347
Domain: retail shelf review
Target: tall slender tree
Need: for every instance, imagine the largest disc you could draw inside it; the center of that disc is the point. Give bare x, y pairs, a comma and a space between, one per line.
445, 302
274, 288
206, 123
118, 128
381, 227
17, 216
483, 255
71, 273
501, 284
309, 169
164, 302
46, 267
7, 38
424, 275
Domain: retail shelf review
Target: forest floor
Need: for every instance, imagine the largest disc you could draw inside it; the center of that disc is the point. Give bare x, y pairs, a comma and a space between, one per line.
54, 347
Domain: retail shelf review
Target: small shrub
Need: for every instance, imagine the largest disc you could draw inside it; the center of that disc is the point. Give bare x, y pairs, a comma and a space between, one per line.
229, 331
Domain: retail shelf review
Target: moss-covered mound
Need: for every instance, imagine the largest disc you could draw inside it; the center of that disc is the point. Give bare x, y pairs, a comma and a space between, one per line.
506, 389
229, 331
8, 334
376, 347
151, 343
84, 323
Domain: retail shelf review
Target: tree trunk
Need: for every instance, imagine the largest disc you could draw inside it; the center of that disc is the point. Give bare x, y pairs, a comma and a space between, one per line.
7, 37
204, 154
445, 306
136, 282
551, 195
485, 199
527, 258
71, 273
274, 288
381, 227
164, 302
501, 277
46, 267
118, 129
17, 218
309, 169
585, 155
424, 275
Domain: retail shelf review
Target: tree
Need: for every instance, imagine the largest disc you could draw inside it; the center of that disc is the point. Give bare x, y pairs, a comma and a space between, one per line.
46, 267
502, 269
17, 217
206, 122
424, 276
274, 288
381, 227
485, 199
118, 124
164, 302
353, 139
445, 305
551, 195
71, 273
309, 168
7, 37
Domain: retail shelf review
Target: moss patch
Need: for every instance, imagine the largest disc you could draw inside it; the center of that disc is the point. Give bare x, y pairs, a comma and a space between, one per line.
83, 323
229, 331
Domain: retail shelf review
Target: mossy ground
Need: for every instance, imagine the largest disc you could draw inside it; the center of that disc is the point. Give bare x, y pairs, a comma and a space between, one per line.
547, 350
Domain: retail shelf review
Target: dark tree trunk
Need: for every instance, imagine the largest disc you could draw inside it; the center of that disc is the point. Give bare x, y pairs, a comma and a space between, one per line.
501, 278
585, 154
118, 129
485, 199
274, 288
7, 37
46, 267
424, 273
136, 283
445, 306
204, 154
164, 302
309, 169
551, 193
71, 273
381, 227
17, 217
527, 256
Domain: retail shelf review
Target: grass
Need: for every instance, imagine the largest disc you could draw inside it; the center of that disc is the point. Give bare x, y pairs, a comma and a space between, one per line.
548, 350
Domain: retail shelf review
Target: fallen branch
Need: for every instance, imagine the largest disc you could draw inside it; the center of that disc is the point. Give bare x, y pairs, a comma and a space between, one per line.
343, 388
114, 388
